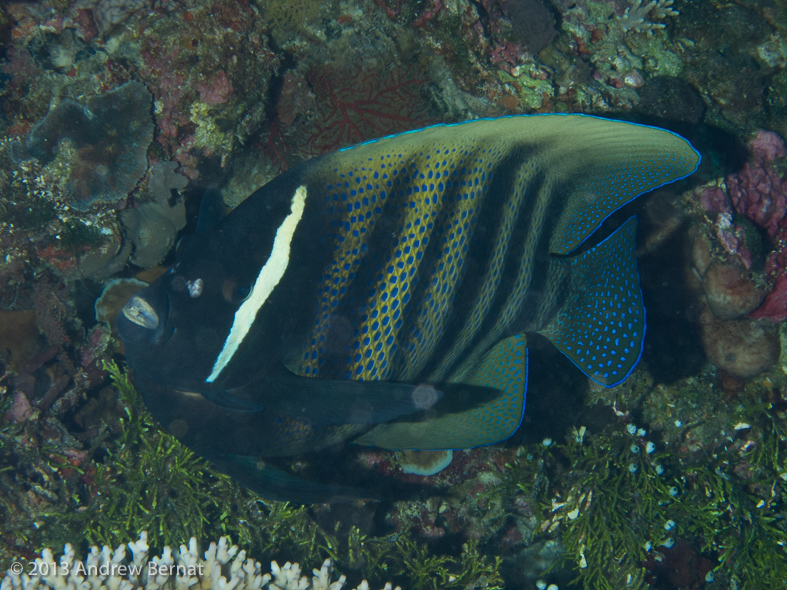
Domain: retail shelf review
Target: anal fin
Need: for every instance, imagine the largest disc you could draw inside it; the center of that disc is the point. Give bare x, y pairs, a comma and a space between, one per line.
275, 484
486, 410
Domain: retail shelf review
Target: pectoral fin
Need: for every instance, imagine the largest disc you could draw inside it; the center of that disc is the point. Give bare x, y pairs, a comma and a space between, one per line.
323, 402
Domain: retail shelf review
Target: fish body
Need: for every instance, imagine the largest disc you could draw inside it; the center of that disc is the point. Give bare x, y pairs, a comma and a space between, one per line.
382, 294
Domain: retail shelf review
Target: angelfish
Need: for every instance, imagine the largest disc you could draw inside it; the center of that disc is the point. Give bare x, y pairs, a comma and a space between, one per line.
382, 294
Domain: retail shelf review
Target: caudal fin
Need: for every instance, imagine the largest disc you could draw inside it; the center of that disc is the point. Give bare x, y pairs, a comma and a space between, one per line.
601, 326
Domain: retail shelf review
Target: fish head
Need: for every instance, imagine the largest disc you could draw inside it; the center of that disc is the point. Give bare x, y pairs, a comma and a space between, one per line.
174, 329
219, 319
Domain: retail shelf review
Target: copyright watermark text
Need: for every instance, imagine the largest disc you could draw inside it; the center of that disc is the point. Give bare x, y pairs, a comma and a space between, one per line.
105, 570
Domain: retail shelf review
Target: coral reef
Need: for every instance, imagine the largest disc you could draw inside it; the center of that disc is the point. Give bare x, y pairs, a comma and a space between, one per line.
742, 348
424, 462
727, 289
757, 192
96, 152
222, 567
108, 13
163, 180
531, 23
730, 291
243, 90
642, 18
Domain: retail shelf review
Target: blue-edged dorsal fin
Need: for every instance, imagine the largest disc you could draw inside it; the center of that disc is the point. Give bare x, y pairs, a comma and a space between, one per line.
591, 165
492, 413
620, 161
601, 326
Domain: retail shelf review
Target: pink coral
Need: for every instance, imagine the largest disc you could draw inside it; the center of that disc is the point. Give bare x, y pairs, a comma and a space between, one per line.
774, 307
217, 91
21, 409
759, 192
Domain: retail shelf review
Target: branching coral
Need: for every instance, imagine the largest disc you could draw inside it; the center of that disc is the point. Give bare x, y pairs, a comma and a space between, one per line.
223, 567
357, 105
641, 18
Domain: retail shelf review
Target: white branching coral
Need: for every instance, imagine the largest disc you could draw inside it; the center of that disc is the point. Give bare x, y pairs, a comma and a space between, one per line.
223, 567
641, 17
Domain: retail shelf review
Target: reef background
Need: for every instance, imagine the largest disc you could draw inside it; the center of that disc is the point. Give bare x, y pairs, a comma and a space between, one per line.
117, 117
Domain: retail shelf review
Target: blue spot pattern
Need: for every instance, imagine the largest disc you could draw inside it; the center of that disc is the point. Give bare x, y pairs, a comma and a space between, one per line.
601, 327
431, 197
504, 369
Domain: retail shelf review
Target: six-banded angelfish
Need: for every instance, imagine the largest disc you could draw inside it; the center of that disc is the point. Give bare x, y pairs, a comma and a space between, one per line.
382, 294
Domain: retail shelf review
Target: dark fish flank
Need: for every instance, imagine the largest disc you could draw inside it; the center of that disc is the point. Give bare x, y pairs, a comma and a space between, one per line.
381, 294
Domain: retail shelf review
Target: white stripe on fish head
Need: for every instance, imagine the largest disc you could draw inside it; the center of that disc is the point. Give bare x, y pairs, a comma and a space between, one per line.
270, 275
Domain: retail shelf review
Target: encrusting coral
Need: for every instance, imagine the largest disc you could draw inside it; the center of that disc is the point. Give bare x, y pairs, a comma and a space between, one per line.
96, 151
223, 567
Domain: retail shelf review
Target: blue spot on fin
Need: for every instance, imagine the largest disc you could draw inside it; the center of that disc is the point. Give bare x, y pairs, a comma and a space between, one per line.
486, 410
601, 327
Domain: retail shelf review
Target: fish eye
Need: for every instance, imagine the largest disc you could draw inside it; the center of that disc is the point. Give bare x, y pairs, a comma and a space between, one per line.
235, 292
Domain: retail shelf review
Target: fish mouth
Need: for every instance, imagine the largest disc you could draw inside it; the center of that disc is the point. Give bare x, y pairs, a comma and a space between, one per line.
144, 318
138, 311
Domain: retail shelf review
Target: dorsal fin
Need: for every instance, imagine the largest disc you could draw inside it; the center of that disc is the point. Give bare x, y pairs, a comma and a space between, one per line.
592, 166
620, 161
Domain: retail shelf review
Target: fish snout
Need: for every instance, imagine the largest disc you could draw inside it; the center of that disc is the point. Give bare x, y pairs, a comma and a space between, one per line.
138, 311
144, 318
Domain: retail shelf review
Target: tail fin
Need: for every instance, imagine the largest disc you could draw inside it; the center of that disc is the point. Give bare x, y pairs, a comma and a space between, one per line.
601, 327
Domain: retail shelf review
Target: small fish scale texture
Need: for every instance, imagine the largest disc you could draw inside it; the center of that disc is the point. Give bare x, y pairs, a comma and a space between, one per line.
505, 370
536, 225
621, 171
602, 328
489, 282
394, 335
415, 193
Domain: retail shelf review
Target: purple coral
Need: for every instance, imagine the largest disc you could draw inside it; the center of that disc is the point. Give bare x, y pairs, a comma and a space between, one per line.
759, 192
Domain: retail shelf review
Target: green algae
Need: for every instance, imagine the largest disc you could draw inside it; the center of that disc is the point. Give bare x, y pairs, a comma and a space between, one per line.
145, 479
77, 235
618, 504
